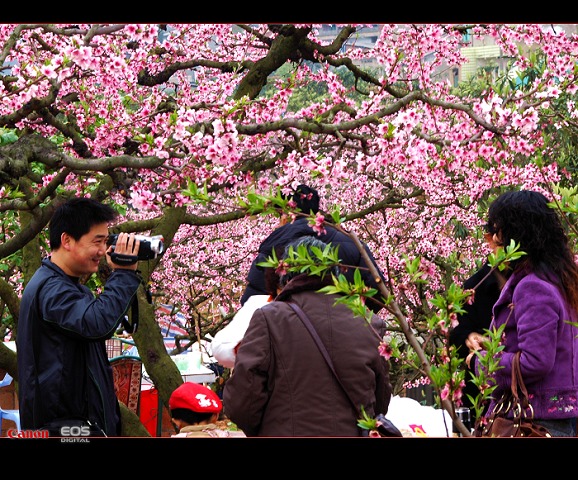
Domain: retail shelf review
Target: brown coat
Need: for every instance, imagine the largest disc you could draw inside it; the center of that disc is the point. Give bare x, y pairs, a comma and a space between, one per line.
281, 385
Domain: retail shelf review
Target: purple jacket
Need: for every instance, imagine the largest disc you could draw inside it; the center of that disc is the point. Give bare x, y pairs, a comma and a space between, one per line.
538, 327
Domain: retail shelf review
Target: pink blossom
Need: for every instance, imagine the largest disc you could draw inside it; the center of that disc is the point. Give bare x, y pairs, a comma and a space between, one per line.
319, 222
445, 392
385, 350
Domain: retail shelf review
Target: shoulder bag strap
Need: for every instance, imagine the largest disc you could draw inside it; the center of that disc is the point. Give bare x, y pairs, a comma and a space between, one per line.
305, 319
519, 391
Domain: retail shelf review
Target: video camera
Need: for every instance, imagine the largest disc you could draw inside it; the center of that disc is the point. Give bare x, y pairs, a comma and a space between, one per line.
149, 247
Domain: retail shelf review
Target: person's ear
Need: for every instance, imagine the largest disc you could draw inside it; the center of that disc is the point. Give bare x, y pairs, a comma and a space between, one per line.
214, 417
65, 240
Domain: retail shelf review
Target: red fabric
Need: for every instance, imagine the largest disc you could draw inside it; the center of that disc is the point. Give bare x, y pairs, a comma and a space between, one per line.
127, 374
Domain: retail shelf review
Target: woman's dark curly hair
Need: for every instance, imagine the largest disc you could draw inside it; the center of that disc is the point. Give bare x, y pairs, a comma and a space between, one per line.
525, 217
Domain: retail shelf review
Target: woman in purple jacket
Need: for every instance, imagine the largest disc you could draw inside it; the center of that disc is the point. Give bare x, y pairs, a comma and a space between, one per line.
537, 304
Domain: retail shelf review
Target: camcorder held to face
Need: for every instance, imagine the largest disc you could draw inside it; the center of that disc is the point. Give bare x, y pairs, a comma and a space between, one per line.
148, 249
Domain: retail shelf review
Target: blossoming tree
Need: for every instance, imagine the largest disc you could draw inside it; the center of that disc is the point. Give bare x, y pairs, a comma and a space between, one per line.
191, 129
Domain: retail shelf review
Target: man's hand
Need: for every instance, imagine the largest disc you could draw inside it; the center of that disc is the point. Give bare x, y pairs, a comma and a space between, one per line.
125, 252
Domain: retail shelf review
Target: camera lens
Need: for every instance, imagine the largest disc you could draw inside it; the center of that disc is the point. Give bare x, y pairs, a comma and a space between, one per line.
150, 247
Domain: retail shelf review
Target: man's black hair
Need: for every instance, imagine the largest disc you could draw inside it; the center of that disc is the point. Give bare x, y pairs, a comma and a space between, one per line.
306, 198
76, 217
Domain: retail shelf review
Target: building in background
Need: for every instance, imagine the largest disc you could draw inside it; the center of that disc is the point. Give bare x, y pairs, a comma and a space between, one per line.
485, 57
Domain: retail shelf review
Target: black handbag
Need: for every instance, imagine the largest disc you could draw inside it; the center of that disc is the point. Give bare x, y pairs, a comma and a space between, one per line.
521, 422
385, 427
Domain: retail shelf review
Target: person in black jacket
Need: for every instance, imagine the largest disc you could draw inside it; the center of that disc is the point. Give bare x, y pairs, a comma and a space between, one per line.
64, 376
477, 316
307, 200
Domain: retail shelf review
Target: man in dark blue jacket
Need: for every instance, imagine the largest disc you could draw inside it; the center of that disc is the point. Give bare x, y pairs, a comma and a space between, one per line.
307, 200
63, 370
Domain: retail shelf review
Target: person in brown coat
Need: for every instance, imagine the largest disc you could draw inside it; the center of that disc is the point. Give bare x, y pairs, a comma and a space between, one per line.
281, 385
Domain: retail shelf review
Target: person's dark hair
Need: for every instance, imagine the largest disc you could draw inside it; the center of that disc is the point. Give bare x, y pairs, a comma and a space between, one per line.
76, 217
525, 217
306, 198
189, 416
309, 241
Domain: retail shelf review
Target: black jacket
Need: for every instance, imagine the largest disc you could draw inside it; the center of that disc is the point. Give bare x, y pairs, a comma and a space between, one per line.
348, 253
61, 337
478, 314
477, 318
